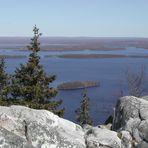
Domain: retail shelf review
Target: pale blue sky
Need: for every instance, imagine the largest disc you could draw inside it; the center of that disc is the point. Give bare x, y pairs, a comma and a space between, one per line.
100, 18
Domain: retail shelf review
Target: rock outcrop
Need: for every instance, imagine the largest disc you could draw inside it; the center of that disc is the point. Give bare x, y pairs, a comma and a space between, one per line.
101, 138
22, 127
131, 115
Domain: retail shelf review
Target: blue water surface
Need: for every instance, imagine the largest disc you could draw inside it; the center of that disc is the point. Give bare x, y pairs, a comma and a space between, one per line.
111, 72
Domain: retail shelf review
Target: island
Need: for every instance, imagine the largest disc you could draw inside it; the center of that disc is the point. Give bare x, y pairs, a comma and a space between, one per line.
78, 85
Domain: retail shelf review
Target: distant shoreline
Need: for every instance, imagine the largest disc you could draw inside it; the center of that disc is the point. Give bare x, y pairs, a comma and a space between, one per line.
66, 48
75, 43
95, 56
13, 56
79, 56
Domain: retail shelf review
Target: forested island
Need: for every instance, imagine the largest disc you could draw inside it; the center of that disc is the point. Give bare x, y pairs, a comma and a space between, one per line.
77, 85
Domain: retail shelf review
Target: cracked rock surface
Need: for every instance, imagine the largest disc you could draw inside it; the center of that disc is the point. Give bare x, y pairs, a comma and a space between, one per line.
22, 127
132, 115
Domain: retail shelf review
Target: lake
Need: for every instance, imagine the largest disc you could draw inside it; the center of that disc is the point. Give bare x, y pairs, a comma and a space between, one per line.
109, 71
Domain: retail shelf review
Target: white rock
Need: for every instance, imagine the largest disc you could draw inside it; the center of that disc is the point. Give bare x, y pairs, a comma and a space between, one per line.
132, 115
29, 128
127, 107
143, 130
96, 137
39, 128
143, 109
126, 139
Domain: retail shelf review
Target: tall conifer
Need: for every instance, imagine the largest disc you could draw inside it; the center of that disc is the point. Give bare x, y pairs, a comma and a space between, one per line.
31, 83
83, 113
4, 81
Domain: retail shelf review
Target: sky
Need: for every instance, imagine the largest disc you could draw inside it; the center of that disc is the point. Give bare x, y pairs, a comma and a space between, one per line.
88, 18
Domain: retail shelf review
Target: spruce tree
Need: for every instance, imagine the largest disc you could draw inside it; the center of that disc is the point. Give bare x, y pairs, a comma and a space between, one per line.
4, 81
83, 115
30, 82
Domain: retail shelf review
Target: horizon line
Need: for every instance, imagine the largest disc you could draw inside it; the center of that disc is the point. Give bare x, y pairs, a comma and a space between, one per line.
72, 37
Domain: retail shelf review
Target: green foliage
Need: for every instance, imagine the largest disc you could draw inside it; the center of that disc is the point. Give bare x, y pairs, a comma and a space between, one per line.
30, 82
4, 81
83, 116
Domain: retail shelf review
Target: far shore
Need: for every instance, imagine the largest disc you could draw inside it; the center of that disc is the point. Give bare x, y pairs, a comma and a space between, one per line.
91, 56
67, 48
12, 56
75, 43
79, 56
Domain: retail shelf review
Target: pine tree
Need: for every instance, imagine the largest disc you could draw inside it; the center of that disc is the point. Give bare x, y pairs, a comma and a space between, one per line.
31, 83
83, 115
4, 81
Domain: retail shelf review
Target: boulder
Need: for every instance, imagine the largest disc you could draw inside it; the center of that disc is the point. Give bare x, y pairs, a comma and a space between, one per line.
126, 108
29, 128
101, 138
24, 127
126, 139
131, 115
143, 130
142, 145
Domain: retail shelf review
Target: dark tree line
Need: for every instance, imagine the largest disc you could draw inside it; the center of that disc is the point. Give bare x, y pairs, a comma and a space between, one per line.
29, 85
